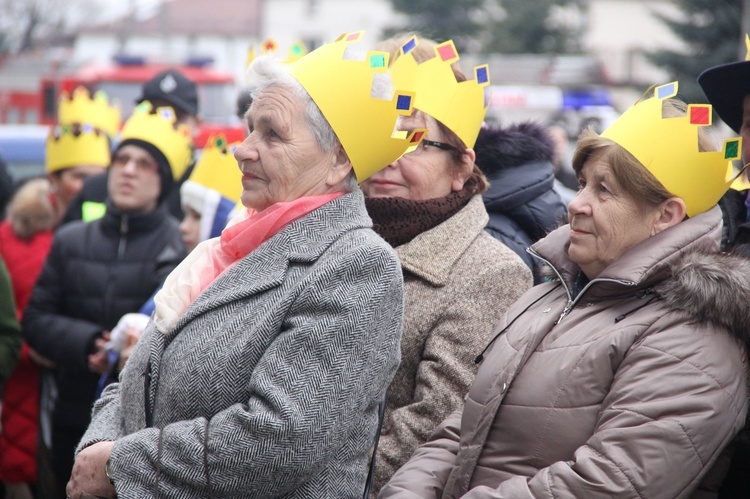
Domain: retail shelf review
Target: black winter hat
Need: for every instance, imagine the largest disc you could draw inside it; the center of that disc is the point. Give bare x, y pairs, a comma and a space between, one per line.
173, 87
725, 87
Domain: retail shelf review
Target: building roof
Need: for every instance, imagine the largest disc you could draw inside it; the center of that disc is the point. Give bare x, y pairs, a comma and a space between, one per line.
190, 17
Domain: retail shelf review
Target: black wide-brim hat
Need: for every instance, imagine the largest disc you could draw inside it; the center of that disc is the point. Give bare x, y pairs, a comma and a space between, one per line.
725, 87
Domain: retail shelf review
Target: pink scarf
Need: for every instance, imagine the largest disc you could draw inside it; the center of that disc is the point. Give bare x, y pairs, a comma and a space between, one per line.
210, 259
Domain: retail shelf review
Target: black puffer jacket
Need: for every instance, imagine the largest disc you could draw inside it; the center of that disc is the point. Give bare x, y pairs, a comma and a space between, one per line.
521, 201
95, 273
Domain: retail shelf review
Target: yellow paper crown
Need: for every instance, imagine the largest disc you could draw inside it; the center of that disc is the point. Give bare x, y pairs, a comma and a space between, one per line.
159, 130
341, 87
75, 144
668, 148
96, 111
460, 106
218, 170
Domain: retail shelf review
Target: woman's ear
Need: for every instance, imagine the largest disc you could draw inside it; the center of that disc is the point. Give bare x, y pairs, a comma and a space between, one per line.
464, 170
670, 213
340, 168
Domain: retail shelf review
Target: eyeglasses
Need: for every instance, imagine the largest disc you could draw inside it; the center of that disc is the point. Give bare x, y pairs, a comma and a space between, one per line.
431, 143
439, 145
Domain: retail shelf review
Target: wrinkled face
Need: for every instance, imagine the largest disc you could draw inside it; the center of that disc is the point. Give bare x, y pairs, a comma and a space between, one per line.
134, 183
280, 159
605, 221
426, 173
745, 131
190, 228
68, 182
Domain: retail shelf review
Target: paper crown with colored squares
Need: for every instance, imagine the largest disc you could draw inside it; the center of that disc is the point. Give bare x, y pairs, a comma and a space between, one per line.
269, 46
75, 144
160, 130
668, 148
214, 187
460, 106
217, 168
96, 111
82, 135
341, 87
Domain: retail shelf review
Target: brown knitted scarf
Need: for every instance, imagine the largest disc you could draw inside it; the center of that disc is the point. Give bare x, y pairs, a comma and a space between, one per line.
400, 220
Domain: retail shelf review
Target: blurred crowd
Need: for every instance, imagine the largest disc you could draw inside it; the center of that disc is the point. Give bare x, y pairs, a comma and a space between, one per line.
377, 293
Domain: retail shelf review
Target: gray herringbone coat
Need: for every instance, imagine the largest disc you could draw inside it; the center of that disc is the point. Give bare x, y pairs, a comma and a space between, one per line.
268, 386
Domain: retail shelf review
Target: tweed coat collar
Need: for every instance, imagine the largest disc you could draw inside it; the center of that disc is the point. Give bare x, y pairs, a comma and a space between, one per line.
432, 254
303, 240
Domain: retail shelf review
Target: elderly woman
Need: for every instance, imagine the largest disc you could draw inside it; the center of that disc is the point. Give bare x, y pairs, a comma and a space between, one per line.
272, 346
458, 280
622, 376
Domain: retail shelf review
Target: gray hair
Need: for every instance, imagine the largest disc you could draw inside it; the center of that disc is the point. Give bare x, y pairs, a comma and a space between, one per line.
266, 72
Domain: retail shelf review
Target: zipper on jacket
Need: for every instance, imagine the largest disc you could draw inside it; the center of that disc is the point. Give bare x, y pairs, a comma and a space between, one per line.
572, 302
124, 227
121, 245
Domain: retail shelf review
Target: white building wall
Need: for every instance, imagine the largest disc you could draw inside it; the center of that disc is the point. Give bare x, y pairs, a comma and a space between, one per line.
617, 31
287, 21
620, 31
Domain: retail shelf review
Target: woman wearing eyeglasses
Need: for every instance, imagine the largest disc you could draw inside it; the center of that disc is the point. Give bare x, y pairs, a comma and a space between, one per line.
458, 280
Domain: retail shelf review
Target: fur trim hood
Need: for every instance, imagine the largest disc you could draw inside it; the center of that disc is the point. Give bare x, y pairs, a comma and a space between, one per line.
502, 148
711, 287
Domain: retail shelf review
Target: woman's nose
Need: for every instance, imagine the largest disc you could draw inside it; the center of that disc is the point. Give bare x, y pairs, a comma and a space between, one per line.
245, 151
579, 203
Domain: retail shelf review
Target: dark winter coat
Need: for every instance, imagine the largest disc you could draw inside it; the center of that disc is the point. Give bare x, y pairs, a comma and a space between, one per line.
736, 228
633, 388
95, 273
521, 201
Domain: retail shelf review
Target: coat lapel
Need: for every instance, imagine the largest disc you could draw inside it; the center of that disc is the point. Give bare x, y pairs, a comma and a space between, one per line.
432, 254
303, 240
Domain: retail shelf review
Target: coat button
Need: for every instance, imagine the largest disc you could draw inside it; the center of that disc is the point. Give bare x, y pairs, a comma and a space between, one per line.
505, 388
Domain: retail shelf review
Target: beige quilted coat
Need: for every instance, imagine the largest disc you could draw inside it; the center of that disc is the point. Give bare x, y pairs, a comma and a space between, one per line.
629, 390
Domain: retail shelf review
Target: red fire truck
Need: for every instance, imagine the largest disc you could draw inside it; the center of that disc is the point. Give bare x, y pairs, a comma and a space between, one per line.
122, 81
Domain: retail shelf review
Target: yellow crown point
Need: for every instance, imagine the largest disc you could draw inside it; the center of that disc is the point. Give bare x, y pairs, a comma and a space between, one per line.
218, 170
96, 111
461, 106
341, 87
296, 50
668, 148
159, 129
75, 144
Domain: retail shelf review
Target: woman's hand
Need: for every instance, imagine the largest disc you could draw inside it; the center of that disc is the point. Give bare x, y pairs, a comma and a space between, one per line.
88, 475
